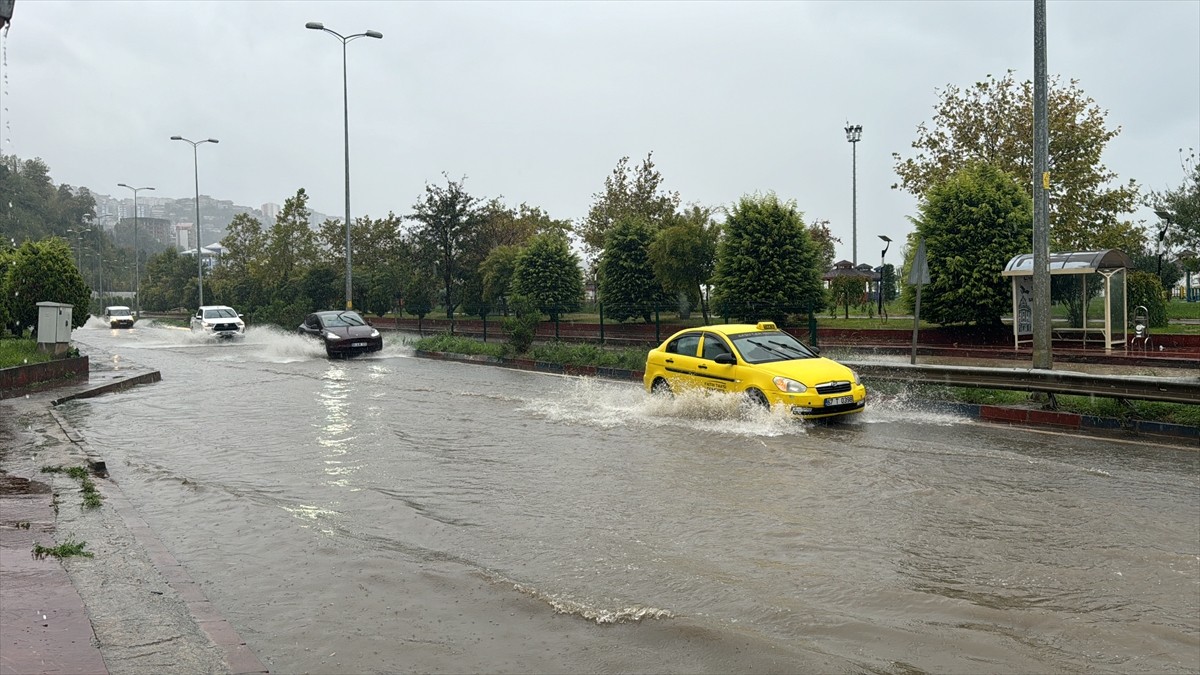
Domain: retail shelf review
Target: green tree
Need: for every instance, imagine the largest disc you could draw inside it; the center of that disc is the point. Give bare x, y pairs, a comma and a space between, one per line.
547, 274
973, 224
290, 246
627, 284
169, 282
845, 290
44, 271
628, 193
448, 218
1181, 206
825, 243
497, 271
1144, 289
991, 122
767, 265
684, 254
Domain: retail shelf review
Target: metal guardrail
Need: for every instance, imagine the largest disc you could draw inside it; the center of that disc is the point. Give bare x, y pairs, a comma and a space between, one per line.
1162, 389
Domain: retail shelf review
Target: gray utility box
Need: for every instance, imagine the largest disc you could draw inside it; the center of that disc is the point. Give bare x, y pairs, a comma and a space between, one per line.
54, 327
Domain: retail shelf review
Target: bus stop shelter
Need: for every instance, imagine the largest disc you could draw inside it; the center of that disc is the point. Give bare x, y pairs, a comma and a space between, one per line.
1070, 273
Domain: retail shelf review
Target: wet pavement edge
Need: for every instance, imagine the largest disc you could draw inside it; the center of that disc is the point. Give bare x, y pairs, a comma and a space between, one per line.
44, 624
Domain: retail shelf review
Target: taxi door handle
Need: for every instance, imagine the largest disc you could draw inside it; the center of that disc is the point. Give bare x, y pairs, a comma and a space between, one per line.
670, 360
703, 367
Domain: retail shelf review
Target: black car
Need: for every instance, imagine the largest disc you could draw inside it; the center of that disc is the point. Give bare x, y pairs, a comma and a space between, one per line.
344, 332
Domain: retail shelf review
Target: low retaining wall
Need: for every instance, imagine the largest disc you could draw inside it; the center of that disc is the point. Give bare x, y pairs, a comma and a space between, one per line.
20, 379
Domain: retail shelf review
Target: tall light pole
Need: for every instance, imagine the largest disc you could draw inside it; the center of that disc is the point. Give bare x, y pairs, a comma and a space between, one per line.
854, 135
137, 267
317, 25
99, 261
196, 170
882, 257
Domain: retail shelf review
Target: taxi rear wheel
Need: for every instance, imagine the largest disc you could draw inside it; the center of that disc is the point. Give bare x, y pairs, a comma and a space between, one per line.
660, 388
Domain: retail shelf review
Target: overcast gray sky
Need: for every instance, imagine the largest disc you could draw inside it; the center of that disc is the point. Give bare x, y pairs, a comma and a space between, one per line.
536, 101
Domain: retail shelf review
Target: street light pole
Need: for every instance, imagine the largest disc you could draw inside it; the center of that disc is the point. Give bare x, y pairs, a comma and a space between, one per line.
137, 271
99, 262
317, 25
196, 170
1167, 218
854, 135
882, 257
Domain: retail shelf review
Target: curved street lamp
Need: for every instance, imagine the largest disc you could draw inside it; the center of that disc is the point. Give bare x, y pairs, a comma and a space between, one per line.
137, 268
882, 258
317, 25
196, 170
1167, 218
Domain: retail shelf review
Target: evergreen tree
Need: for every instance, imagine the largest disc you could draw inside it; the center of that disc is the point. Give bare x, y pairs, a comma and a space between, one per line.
547, 273
767, 265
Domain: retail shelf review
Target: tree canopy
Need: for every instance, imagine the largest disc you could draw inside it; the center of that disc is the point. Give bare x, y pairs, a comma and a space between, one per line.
992, 121
973, 224
547, 274
628, 286
42, 271
684, 254
448, 218
1181, 205
767, 265
628, 193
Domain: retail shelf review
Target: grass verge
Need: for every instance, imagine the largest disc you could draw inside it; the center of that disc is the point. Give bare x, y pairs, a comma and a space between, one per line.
21, 352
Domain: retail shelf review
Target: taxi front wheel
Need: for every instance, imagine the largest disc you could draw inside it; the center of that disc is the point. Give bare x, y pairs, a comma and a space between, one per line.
755, 397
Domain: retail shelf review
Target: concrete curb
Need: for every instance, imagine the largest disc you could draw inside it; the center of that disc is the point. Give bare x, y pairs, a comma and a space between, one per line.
1031, 417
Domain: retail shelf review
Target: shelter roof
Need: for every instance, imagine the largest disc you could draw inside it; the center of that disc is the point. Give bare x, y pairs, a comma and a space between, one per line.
1069, 262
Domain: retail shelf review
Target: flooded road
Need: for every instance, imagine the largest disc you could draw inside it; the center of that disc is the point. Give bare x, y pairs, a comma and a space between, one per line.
391, 513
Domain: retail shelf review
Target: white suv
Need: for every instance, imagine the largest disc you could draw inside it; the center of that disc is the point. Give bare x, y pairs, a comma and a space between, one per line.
218, 321
118, 316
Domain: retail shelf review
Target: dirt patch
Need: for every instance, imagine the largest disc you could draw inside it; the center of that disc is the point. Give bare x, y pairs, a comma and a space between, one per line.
15, 485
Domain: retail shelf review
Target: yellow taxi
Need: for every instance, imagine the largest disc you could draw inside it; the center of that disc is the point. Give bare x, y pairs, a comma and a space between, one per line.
767, 365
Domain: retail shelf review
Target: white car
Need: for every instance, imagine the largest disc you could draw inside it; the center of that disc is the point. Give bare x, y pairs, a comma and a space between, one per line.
118, 316
218, 321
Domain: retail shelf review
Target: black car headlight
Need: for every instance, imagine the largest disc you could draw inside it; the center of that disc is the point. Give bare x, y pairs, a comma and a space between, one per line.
330, 335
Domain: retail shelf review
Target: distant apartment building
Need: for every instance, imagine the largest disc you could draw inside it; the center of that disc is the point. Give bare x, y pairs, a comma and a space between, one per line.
270, 211
183, 235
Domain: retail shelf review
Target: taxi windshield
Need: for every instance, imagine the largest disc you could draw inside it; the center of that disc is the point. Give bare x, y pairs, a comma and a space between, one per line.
769, 346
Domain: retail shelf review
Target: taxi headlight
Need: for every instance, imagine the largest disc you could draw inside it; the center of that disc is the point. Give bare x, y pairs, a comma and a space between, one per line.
854, 376
789, 385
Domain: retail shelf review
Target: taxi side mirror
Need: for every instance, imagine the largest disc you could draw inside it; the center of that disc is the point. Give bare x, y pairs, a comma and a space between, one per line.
725, 359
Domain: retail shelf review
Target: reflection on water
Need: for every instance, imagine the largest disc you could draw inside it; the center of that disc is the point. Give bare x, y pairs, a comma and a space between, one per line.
428, 499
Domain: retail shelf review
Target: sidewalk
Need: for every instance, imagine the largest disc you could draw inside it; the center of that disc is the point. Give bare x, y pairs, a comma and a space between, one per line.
132, 608
44, 626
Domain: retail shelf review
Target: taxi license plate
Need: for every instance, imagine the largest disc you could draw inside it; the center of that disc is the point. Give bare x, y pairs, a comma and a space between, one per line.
838, 400
358, 344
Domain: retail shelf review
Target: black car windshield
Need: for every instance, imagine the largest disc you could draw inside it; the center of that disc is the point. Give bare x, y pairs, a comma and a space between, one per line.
220, 313
342, 319
765, 347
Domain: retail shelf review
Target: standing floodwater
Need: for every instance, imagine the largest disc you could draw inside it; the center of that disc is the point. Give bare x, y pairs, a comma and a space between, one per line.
390, 513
